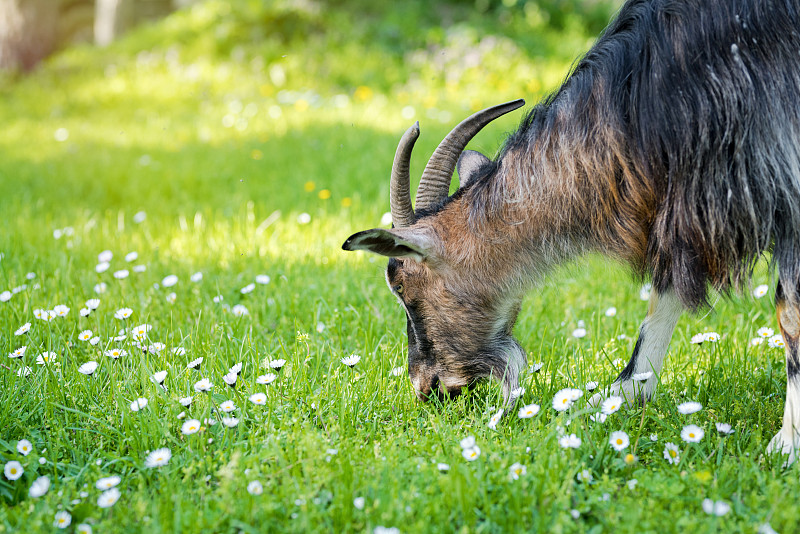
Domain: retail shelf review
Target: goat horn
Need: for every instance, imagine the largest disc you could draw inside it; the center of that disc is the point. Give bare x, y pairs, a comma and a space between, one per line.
435, 182
400, 187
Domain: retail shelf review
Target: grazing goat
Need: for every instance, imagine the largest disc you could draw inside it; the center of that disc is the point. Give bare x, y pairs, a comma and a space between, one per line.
673, 146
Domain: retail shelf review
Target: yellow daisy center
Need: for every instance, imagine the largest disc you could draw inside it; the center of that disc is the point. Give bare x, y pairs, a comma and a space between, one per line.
673, 454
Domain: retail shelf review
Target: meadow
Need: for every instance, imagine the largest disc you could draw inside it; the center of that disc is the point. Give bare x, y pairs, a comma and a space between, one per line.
173, 210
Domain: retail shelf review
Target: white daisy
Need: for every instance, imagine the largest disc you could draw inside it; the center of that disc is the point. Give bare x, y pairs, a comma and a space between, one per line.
181, 415
760, 291
240, 310
40, 313
83, 528
107, 482
563, 399
101, 267
88, 368
611, 405
18, 353
585, 476
46, 357
139, 333
39, 487
228, 406
171, 298
398, 371
724, 428
24, 371
24, 447
644, 292
495, 419
185, 401
139, 404
642, 377
579, 333
123, 313
155, 347
443, 467
195, 364
671, 453
108, 498
158, 458
203, 385
277, 364
178, 351
230, 422
351, 361
697, 339
517, 470
688, 408
571, 441
93, 304
598, 417
236, 368
536, 367
100, 288
776, 342
471, 454
717, 508
169, 280
196, 277
84, 312
266, 379
218, 299
692, 434
22, 330
159, 377
94, 341
139, 217
619, 440
262, 279
131, 256
13, 470
526, 412
139, 268
230, 379
359, 503
190, 427
5, 296
247, 289
116, 353
121, 274
258, 398
711, 337
591, 386
85, 335
255, 488
62, 519
765, 332
105, 256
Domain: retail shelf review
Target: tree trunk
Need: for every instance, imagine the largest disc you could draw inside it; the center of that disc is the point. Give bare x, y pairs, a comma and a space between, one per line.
28, 32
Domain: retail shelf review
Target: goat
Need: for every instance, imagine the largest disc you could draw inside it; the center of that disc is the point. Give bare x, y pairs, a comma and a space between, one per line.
673, 146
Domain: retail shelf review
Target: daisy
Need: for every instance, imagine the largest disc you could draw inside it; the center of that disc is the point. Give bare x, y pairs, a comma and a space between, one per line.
196, 277
159, 377
671, 453
218, 299
158, 457
139, 268
359, 502
598, 417
181, 415
156, 347
724, 428
536, 367
259, 399
247, 289
106, 255
517, 470
619, 440
228, 406
320, 327
644, 292
585, 476
23, 329
262, 279
642, 377
139, 333
5, 296
468, 442
93, 304
632, 484
131, 256
195, 364
116, 353
40, 313
46, 357
526, 412
101, 267
24, 371
203, 385
24, 447
61, 310
688, 408
107, 482
123, 313
765, 332
611, 312
185, 401
171, 298
570, 442
630, 459
13, 470
611, 405
139, 217
19, 353
230, 422
84, 312
62, 519
83, 528
121, 274
495, 419
88, 368
178, 351
255, 488
100, 288
266, 379
190, 427
471, 454
236, 368
230, 379
94, 341
711, 337
717, 508
169, 280
240, 310
692, 434
351, 361
591, 386
698, 339
760, 291
776, 342
86, 335
579, 333
138, 404
563, 400
517, 393
442, 467
277, 364
39, 487
398, 371
108, 498
653, 437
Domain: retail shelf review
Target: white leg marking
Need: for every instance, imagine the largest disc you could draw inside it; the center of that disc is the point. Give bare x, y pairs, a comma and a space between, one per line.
787, 441
651, 348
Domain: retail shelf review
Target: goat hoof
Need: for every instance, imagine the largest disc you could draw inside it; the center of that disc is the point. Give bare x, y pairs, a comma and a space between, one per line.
785, 443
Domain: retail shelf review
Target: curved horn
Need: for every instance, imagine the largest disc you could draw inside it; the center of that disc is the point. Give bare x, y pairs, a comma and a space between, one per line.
435, 182
400, 187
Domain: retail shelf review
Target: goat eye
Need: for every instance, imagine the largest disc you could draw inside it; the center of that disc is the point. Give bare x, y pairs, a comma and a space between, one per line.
398, 289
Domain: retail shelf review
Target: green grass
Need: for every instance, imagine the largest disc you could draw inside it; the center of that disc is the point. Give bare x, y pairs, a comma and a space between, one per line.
224, 125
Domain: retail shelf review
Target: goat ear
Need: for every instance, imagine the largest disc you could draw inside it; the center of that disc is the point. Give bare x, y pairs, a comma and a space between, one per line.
471, 166
394, 243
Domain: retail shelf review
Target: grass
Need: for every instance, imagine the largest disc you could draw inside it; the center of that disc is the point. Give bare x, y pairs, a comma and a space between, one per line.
224, 135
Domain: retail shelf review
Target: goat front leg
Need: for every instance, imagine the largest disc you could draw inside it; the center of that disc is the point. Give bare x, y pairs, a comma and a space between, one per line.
663, 312
787, 441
